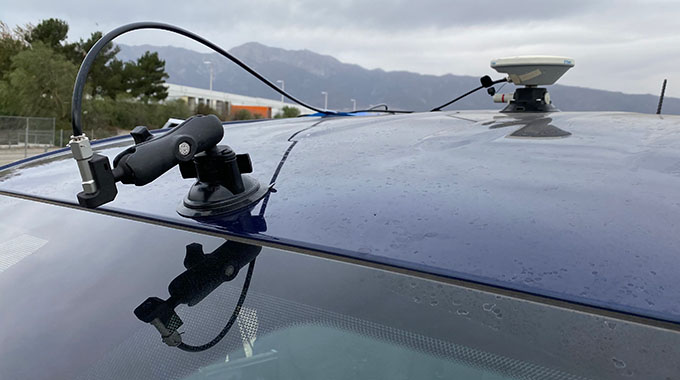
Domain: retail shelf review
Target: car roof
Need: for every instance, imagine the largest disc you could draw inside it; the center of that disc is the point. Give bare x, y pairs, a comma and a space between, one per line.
577, 206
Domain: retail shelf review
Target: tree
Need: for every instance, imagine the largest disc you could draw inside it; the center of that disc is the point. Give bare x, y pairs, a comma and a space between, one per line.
113, 80
51, 32
106, 76
107, 73
11, 44
38, 67
145, 78
40, 83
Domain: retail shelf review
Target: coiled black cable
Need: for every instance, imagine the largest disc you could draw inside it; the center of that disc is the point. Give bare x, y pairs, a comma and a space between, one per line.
232, 319
79, 86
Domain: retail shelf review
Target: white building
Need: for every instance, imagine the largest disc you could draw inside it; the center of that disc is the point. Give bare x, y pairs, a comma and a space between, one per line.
223, 101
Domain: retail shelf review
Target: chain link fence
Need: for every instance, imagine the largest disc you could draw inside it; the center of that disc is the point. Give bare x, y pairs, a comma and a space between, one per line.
21, 137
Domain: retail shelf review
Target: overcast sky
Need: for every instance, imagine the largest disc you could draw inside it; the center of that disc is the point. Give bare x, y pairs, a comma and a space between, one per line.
626, 46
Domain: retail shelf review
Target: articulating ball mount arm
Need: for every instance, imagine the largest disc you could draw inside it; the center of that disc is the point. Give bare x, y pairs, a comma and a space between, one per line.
145, 161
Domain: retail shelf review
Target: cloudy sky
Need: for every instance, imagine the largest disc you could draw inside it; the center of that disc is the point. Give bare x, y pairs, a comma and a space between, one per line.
626, 46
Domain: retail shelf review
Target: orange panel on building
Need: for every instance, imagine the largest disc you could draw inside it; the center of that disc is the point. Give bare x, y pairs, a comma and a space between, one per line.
263, 111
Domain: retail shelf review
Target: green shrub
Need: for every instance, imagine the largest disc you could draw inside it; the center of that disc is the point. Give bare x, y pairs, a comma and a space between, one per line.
288, 112
107, 117
243, 115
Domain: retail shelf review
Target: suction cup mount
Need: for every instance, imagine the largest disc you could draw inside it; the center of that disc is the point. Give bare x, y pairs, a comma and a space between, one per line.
221, 188
222, 185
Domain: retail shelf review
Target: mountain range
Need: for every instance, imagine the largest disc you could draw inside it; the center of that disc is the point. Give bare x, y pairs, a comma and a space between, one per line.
306, 74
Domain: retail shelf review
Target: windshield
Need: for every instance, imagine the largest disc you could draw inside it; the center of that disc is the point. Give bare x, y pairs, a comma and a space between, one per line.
304, 316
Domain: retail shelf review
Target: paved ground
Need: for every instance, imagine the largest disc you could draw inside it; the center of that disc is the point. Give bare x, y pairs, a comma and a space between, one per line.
13, 154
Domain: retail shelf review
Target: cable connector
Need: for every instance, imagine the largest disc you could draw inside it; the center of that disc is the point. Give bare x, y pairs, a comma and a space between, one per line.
99, 186
161, 314
503, 98
170, 335
82, 152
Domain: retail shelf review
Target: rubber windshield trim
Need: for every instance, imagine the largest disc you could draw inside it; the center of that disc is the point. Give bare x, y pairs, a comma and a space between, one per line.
643, 318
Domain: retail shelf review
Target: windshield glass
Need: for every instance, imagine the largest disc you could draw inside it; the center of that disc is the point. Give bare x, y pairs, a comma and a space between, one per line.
303, 315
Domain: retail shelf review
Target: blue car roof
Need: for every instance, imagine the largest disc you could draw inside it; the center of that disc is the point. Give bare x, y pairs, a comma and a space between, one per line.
582, 207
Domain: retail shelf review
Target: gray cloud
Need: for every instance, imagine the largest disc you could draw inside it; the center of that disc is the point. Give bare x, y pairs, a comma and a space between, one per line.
626, 46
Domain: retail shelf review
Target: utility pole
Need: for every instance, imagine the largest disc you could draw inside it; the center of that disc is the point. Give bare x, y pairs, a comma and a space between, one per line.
283, 88
211, 73
208, 100
325, 100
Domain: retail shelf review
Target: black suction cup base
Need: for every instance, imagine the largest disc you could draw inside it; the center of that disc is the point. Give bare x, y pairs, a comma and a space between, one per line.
207, 200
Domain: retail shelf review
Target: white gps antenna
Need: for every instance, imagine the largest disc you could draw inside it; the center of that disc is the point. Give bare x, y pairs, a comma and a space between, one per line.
531, 72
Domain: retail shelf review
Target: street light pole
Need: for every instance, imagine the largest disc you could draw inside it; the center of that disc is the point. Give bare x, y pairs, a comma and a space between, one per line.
211, 73
283, 88
354, 104
325, 100
208, 101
